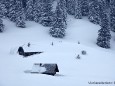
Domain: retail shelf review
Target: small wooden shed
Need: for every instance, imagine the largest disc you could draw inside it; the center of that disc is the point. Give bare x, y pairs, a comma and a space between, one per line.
45, 68
25, 54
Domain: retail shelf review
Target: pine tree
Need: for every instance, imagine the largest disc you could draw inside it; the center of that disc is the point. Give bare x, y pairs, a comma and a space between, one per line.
78, 12
20, 16
11, 10
104, 3
29, 10
36, 11
6, 3
1, 26
104, 35
108, 3
70, 4
94, 8
24, 3
3, 10
84, 7
46, 18
63, 15
112, 15
58, 29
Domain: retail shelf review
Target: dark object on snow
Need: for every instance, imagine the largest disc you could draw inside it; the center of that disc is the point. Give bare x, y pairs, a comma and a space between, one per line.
29, 44
78, 57
21, 51
25, 54
49, 69
30, 53
83, 52
78, 42
52, 44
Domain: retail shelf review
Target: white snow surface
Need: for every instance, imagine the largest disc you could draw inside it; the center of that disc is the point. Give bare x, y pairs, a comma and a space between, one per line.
97, 65
37, 68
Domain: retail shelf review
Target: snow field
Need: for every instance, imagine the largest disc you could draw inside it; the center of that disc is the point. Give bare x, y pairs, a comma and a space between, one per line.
97, 65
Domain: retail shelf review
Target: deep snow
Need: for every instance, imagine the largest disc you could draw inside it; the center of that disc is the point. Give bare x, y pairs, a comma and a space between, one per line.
97, 65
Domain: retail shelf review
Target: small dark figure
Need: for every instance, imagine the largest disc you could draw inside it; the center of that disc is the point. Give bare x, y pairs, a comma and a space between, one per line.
83, 52
52, 44
21, 51
29, 44
40, 64
78, 56
78, 42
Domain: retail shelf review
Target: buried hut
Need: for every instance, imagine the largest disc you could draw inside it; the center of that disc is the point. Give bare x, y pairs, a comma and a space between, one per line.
47, 68
25, 54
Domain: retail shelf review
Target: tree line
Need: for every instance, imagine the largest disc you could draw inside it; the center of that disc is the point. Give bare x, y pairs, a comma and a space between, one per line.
101, 12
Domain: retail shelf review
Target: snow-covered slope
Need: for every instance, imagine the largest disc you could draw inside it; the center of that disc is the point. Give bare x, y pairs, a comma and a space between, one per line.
97, 65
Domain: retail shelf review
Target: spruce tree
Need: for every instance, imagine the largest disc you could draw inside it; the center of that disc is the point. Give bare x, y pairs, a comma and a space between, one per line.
64, 11
6, 3
3, 10
24, 3
78, 12
20, 16
29, 10
58, 29
112, 15
36, 11
11, 10
70, 4
46, 18
108, 3
104, 3
104, 35
1, 25
94, 8
84, 7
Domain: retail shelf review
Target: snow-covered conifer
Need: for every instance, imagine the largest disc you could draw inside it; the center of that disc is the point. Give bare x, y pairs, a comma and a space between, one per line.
46, 18
94, 9
85, 7
36, 10
78, 12
7, 5
70, 4
24, 3
104, 35
58, 29
29, 10
1, 26
3, 10
63, 15
20, 16
11, 10
112, 15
